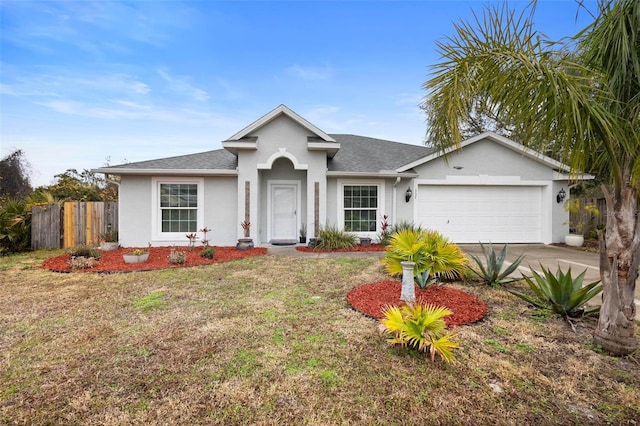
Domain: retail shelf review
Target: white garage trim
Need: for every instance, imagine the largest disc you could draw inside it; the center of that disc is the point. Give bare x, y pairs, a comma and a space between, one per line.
543, 207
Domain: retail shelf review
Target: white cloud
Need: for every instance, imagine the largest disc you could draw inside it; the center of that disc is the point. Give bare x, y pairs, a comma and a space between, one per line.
182, 85
310, 73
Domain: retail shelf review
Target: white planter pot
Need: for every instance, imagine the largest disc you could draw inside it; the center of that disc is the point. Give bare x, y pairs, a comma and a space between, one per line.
244, 243
109, 246
574, 240
135, 258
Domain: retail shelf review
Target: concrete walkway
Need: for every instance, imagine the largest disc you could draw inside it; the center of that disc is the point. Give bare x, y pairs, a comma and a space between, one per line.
534, 254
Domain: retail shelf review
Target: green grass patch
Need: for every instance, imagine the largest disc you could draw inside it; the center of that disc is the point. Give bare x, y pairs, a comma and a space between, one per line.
150, 302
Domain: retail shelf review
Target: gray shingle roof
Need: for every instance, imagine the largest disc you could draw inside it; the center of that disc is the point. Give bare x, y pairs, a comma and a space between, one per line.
356, 154
219, 159
363, 154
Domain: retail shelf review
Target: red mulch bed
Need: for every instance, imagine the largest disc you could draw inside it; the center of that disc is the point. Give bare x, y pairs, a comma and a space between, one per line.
371, 299
112, 261
372, 247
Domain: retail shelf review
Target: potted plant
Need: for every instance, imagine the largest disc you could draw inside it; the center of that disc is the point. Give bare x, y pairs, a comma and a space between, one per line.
137, 255
575, 238
303, 233
108, 240
246, 242
365, 241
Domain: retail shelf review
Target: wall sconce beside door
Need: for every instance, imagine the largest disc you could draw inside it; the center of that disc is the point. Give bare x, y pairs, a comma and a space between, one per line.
561, 196
408, 194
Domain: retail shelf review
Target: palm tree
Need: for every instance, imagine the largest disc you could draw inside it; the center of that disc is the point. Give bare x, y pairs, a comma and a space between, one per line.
578, 98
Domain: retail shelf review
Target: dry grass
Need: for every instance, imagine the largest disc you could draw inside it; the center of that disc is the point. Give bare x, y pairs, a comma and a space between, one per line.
271, 340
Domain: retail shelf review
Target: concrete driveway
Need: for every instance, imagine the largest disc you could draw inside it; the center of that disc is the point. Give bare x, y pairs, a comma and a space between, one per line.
552, 257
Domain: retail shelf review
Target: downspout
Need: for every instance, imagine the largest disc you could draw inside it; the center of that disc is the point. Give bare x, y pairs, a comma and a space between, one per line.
116, 183
394, 200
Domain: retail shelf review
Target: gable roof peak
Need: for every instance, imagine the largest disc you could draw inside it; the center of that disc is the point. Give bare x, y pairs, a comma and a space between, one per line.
281, 109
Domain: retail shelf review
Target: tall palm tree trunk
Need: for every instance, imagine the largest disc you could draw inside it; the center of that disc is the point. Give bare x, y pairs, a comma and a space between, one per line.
619, 261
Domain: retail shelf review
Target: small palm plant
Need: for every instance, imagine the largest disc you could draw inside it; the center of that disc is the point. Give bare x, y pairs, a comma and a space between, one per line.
420, 327
492, 273
560, 292
428, 249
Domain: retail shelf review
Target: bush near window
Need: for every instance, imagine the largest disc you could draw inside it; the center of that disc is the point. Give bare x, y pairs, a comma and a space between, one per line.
332, 238
208, 252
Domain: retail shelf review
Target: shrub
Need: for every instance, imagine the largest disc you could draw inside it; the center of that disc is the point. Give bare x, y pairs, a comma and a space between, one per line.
420, 327
177, 257
333, 238
84, 250
404, 225
429, 250
560, 292
491, 273
15, 225
384, 236
109, 236
208, 252
82, 262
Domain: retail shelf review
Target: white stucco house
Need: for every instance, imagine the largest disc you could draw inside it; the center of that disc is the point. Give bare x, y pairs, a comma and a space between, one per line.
281, 172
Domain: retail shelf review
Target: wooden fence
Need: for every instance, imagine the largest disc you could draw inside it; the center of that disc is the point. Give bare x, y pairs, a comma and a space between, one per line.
54, 226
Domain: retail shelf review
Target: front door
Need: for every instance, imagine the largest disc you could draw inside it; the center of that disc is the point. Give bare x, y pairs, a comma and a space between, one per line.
284, 210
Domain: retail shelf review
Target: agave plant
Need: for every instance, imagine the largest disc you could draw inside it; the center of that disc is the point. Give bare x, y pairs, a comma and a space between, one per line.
428, 249
492, 273
560, 292
420, 327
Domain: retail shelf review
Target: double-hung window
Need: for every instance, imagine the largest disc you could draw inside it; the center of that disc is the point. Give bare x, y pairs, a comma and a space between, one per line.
179, 207
360, 207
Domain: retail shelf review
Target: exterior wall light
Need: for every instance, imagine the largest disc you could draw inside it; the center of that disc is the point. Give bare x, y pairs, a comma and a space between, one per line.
408, 194
561, 196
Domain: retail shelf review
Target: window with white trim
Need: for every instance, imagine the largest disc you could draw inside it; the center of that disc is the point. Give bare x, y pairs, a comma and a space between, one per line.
178, 207
360, 204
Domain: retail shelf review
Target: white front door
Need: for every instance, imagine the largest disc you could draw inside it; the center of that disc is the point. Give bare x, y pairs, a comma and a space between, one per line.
284, 210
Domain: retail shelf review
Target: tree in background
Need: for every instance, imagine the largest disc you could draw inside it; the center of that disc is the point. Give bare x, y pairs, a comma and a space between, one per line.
579, 99
81, 186
14, 176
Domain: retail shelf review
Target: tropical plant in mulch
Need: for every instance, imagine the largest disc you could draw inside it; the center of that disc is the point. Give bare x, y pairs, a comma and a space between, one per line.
420, 327
432, 253
490, 271
560, 292
330, 237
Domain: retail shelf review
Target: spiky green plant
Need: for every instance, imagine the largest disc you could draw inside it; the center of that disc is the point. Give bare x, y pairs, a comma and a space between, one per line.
428, 249
404, 225
420, 327
491, 270
331, 237
560, 292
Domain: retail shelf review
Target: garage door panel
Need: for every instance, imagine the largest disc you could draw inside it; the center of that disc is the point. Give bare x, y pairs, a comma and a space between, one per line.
468, 214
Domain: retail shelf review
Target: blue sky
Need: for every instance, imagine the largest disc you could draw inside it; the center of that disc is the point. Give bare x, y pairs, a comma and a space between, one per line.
83, 81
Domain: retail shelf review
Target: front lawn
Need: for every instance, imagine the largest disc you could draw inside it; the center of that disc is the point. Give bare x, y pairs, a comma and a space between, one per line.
272, 340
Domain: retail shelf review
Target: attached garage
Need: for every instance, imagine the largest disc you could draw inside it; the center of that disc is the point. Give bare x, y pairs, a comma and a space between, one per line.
472, 213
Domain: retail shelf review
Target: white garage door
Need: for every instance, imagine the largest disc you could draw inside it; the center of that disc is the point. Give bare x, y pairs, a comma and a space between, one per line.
468, 214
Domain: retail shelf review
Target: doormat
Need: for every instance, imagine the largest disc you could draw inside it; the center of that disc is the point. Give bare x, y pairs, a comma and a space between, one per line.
284, 242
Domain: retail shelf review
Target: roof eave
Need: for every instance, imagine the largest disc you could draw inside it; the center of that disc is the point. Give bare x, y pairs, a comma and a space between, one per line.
282, 109
235, 146
381, 174
330, 147
558, 176
527, 152
166, 172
